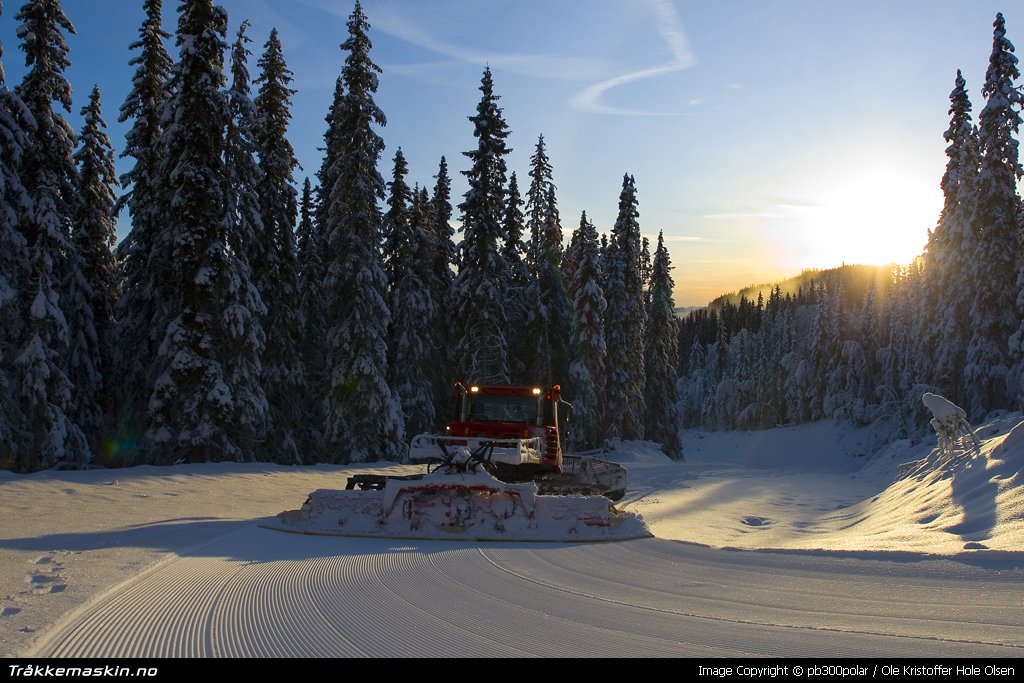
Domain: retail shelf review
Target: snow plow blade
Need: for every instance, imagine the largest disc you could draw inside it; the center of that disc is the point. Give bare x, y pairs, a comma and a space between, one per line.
469, 506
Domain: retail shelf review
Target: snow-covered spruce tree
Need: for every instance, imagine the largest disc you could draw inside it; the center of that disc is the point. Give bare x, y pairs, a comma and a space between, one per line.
142, 256
310, 252
996, 255
645, 269
776, 341
513, 251
481, 319
206, 402
417, 320
828, 356
95, 234
443, 267
275, 266
692, 386
396, 223
548, 331
867, 333
332, 149
948, 273
661, 354
16, 129
997, 216
245, 311
407, 267
569, 258
313, 255
822, 351
363, 417
900, 362
441, 214
306, 248
625, 320
242, 173
587, 372
43, 369
537, 209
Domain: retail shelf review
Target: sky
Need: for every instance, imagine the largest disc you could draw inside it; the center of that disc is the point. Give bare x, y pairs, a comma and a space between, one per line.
765, 137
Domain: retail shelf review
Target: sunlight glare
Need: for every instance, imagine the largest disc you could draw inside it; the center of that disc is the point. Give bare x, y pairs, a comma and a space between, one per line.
877, 217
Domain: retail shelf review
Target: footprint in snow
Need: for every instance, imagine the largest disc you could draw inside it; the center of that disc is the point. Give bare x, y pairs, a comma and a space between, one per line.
41, 584
46, 579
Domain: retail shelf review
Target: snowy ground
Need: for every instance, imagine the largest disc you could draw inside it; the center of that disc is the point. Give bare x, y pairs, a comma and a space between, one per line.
823, 487
73, 542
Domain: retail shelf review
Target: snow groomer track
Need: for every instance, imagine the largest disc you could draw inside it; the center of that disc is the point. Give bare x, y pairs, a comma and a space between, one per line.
257, 593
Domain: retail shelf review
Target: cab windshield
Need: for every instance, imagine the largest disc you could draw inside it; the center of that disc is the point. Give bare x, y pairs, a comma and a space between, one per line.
484, 408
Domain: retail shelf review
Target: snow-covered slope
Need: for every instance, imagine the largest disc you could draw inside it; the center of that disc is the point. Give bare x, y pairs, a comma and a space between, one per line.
819, 486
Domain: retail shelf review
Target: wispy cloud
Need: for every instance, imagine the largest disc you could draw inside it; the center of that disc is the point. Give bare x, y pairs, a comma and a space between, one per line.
393, 19
396, 20
742, 215
676, 238
776, 210
670, 28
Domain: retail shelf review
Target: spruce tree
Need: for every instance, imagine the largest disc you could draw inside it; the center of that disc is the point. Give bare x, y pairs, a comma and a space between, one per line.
16, 130
513, 251
307, 250
996, 225
588, 372
661, 353
310, 252
445, 255
206, 402
548, 316
949, 275
95, 234
242, 174
313, 254
333, 147
50, 297
625, 320
539, 211
243, 319
143, 267
645, 270
417, 313
441, 215
396, 223
481, 318
363, 418
275, 266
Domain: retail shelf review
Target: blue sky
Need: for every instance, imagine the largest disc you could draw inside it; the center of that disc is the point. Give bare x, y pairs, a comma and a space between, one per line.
765, 137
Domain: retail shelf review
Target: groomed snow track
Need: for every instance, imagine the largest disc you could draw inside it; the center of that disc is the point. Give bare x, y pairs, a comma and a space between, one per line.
256, 593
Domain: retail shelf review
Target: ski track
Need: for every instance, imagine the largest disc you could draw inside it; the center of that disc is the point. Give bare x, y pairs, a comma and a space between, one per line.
259, 593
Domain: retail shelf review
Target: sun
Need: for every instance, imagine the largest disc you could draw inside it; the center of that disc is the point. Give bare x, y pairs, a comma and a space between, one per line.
875, 216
